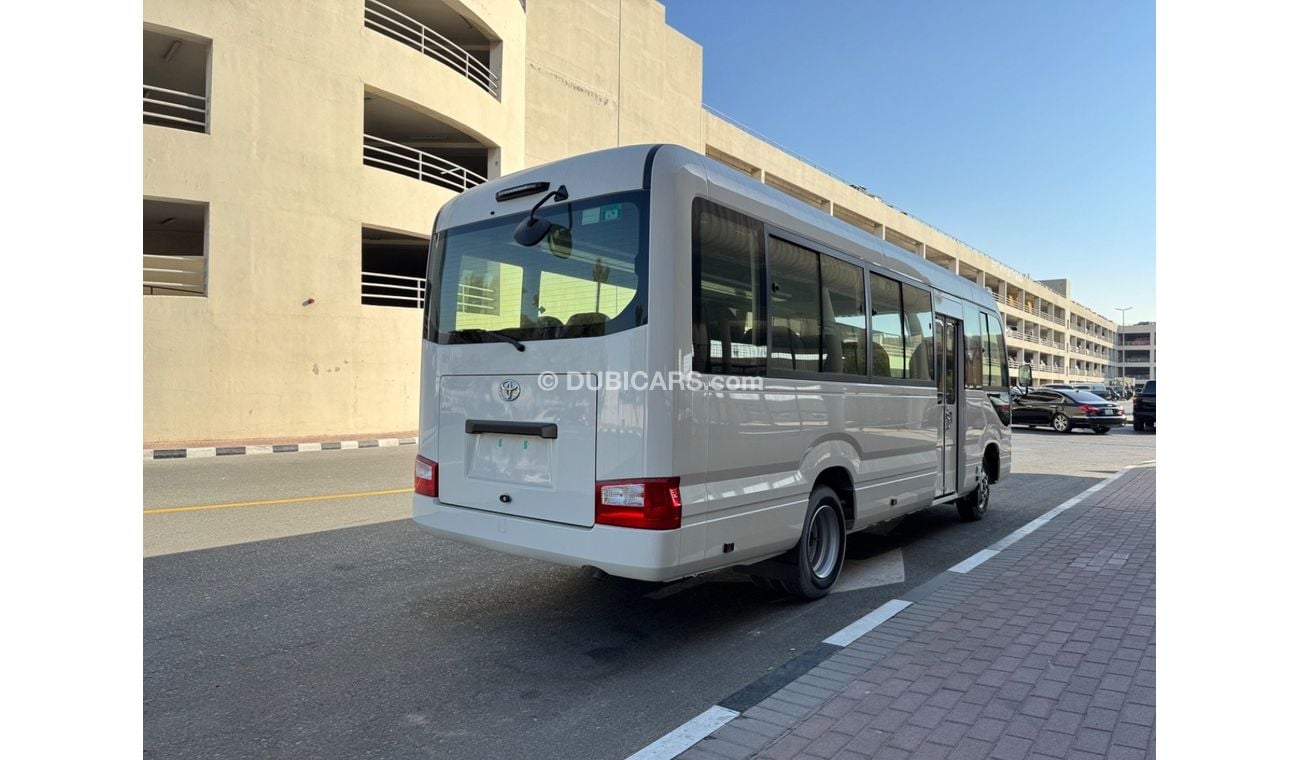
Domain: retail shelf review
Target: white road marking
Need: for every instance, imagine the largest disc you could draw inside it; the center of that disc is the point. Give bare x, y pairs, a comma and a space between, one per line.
686, 735
973, 561
1047, 516
855, 630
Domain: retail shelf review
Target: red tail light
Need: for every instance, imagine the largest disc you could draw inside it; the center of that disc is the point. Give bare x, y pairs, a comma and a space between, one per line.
426, 476
1088, 409
647, 503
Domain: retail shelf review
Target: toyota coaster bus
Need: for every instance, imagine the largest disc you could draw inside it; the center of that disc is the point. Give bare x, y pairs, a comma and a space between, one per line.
642, 361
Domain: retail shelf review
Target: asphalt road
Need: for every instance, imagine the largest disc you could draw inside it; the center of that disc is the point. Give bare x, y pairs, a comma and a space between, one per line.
334, 628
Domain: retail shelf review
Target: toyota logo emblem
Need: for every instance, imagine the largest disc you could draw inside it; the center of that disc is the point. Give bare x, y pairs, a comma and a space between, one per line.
509, 390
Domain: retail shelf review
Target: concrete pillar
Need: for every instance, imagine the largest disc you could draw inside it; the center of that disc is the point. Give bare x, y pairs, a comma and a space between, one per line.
979, 278
882, 231
921, 250
956, 266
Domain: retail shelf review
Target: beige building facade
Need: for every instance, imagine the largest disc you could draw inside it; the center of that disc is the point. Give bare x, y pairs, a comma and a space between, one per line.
296, 154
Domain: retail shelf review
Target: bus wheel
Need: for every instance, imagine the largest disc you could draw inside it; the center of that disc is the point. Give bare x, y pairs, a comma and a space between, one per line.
1061, 423
973, 505
820, 552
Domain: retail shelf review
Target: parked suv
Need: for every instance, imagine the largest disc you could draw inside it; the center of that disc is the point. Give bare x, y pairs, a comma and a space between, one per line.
1144, 407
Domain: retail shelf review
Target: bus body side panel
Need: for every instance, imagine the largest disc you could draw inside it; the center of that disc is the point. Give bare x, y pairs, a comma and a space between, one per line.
675, 436
898, 463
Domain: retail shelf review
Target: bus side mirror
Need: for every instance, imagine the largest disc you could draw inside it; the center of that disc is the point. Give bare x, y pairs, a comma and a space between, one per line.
531, 231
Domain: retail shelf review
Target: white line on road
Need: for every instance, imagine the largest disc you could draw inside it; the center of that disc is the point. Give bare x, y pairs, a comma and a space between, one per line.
973, 561
686, 735
1047, 516
860, 627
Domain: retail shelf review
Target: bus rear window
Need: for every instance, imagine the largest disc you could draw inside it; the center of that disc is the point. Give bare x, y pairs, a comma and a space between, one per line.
585, 283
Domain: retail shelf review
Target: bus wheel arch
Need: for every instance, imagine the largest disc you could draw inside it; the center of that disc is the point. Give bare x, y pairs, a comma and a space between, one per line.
837, 478
993, 462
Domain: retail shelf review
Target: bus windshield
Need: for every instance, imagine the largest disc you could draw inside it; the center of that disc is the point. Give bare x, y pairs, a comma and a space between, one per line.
586, 278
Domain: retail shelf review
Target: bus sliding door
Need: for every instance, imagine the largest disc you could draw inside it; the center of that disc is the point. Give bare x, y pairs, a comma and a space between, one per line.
946, 332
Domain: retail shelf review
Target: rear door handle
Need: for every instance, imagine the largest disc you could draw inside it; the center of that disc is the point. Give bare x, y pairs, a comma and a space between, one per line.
507, 427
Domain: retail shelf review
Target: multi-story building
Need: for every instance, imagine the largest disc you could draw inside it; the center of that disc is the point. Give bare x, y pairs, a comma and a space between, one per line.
1137, 352
296, 154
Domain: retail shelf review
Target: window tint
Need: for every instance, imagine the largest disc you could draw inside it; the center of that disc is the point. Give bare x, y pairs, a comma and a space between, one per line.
796, 316
730, 334
918, 333
844, 289
886, 327
974, 364
995, 354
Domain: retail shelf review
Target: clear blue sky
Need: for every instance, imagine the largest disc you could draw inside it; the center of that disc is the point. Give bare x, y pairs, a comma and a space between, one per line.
1024, 128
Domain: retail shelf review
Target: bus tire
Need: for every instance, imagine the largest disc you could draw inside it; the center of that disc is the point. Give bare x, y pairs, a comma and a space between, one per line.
973, 505
819, 555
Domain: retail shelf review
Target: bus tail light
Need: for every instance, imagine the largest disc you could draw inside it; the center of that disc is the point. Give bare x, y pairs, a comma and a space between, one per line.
648, 503
426, 476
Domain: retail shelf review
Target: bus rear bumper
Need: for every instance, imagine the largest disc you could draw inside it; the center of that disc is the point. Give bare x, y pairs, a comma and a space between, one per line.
648, 555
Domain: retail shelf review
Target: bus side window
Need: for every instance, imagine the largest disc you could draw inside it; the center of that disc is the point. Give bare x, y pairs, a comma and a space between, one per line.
730, 333
974, 328
797, 337
995, 355
886, 328
844, 305
918, 323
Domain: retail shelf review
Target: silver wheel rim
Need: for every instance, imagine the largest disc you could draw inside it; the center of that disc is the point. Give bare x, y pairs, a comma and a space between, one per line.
1060, 423
823, 548
982, 489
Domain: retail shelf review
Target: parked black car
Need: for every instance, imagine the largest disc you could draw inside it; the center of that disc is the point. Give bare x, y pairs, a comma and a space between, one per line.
1104, 391
1144, 407
1065, 410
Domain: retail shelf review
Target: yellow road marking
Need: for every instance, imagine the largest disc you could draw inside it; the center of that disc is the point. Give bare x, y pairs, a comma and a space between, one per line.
297, 499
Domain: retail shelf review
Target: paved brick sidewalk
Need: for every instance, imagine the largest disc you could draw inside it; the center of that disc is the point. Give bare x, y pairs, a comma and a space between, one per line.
1046, 650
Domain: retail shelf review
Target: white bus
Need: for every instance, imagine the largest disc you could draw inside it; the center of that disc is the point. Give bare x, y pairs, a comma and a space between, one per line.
645, 362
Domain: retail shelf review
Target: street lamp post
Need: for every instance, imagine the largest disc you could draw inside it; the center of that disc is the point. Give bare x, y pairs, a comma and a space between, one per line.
1119, 351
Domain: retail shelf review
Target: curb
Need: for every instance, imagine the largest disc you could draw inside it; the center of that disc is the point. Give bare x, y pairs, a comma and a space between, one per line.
199, 452
753, 717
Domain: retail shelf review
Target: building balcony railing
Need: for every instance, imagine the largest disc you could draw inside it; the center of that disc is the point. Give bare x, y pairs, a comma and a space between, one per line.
426, 167
402, 28
173, 108
1029, 309
378, 289
174, 275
